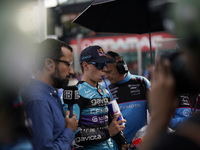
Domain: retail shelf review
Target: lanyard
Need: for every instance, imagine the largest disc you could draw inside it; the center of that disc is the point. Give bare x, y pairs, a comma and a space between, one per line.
193, 110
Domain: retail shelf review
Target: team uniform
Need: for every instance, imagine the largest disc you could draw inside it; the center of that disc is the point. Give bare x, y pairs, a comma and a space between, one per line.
130, 94
189, 103
92, 130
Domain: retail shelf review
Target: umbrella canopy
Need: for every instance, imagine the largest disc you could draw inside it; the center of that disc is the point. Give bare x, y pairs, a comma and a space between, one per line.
120, 16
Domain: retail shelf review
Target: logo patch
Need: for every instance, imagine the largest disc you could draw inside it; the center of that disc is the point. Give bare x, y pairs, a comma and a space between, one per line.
186, 113
101, 52
100, 91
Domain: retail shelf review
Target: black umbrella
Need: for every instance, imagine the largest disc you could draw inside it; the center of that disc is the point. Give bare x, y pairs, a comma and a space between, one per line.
121, 16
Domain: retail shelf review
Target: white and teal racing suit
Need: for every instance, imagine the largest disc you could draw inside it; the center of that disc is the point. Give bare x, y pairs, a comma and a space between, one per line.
94, 119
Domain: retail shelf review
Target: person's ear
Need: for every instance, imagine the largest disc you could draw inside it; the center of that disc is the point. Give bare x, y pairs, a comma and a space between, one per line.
49, 63
85, 65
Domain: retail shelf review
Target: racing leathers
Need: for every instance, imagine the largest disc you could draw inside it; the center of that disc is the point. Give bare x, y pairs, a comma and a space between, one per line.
94, 119
130, 94
189, 103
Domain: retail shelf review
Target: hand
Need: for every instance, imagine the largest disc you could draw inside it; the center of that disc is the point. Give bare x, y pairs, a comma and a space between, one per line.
163, 101
125, 146
72, 122
163, 98
115, 126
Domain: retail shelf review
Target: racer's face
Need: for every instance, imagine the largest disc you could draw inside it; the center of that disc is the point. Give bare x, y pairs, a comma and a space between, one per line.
93, 74
97, 74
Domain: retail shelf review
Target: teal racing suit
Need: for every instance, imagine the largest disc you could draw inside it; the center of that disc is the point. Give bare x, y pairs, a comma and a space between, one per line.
94, 119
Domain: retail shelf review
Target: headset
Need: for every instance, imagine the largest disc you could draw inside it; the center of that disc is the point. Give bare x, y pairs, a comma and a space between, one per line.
121, 66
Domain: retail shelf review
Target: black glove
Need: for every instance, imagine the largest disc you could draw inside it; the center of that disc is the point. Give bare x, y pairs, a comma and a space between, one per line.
120, 139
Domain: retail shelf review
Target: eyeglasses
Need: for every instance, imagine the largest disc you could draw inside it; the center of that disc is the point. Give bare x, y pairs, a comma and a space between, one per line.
68, 63
99, 66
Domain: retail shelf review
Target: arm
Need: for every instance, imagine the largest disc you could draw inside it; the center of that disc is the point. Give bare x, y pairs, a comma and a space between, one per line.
43, 124
148, 84
90, 135
87, 135
72, 122
147, 87
145, 80
95, 135
116, 132
163, 101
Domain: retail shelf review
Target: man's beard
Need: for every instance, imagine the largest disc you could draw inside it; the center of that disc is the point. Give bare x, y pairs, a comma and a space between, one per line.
58, 82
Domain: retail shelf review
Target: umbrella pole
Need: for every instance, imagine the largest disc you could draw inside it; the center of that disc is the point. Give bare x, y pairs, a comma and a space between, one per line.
151, 53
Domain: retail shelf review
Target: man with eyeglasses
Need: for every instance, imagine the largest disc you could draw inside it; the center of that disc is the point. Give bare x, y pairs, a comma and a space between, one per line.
51, 127
95, 129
